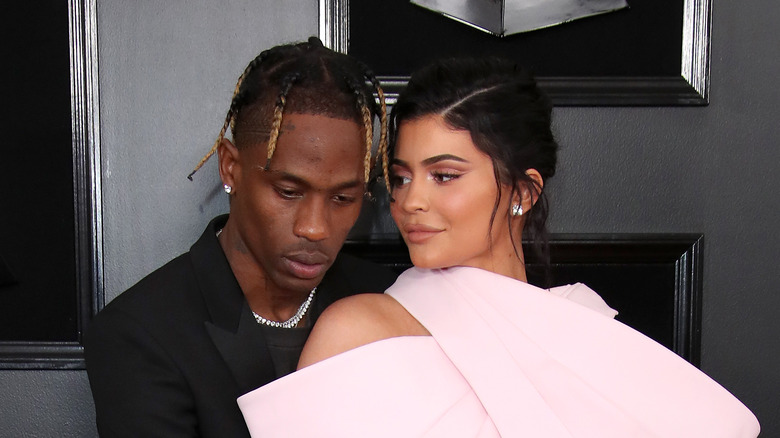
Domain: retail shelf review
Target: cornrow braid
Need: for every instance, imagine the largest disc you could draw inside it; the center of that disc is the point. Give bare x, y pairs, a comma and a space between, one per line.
381, 153
303, 78
230, 117
368, 125
381, 110
276, 125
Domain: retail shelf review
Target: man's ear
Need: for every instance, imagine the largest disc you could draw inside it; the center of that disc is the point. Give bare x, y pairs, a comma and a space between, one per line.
229, 167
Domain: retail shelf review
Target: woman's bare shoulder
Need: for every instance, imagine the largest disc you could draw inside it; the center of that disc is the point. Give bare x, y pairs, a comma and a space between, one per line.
355, 321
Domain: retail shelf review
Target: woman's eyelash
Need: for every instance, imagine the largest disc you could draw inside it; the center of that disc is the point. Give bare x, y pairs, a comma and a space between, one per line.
439, 177
445, 176
398, 180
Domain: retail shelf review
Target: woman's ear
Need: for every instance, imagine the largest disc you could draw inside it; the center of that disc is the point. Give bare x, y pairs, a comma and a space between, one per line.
536, 190
229, 167
527, 192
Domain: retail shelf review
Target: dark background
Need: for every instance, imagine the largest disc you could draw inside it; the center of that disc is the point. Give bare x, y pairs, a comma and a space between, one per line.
37, 233
395, 37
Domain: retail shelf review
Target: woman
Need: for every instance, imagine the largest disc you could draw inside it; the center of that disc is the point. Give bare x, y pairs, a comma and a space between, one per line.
461, 345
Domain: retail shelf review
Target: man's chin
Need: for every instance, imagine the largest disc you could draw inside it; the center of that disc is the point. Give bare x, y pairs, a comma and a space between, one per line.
302, 285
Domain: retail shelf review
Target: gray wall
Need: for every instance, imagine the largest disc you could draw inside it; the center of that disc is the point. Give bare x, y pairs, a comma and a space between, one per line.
167, 72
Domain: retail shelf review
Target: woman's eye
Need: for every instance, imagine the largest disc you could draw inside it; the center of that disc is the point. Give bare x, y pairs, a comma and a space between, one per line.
441, 177
399, 180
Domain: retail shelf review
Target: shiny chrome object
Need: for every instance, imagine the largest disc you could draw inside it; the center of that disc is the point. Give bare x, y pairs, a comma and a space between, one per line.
507, 17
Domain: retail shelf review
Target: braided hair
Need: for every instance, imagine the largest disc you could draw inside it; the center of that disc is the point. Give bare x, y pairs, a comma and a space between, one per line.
302, 78
509, 119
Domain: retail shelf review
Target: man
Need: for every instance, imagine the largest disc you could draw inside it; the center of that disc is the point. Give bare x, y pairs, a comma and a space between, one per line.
170, 356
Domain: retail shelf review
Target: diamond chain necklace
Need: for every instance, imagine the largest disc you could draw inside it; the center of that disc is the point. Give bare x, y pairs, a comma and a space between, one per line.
292, 322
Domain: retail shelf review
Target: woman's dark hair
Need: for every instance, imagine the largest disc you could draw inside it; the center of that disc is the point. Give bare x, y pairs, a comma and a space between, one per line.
508, 118
301, 78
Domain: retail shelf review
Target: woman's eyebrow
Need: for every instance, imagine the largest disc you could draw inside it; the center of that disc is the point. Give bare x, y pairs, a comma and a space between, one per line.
432, 160
397, 162
442, 157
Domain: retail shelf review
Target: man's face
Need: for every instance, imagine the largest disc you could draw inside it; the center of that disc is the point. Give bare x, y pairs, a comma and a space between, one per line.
293, 218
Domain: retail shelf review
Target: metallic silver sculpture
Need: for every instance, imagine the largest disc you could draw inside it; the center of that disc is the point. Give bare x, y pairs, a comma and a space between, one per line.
506, 17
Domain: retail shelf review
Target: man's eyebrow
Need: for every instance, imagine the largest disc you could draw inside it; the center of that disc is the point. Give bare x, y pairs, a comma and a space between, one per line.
432, 160
290, 177
355, 183
295, 179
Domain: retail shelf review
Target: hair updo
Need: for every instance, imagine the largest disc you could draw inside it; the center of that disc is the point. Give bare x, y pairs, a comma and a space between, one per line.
508, 117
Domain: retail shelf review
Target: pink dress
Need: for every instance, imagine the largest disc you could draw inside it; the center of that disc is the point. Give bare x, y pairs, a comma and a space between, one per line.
505, 359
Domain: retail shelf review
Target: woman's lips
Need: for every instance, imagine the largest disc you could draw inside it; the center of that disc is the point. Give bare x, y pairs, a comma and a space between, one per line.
419, 233
306, 266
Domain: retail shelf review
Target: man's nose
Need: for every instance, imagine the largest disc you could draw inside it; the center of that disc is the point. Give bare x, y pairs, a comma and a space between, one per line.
311, 221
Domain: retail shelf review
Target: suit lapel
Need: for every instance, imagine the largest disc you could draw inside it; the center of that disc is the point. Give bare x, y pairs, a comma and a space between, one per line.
232, 327
245, 352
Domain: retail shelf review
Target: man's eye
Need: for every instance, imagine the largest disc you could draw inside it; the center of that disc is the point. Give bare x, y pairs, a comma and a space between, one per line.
288, 193
344, 199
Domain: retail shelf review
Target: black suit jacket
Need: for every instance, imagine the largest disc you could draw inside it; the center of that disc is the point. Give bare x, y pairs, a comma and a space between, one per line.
169, 356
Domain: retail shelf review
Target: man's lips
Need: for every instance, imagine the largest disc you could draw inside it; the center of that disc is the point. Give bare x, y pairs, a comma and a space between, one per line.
306, 265
419, 233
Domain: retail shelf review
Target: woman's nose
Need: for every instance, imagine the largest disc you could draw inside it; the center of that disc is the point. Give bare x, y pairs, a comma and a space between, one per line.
414, 198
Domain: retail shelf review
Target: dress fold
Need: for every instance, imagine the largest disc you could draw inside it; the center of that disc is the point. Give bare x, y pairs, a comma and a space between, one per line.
504, 359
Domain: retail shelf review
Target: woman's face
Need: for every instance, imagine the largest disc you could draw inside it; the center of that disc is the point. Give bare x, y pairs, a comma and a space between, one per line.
444, 192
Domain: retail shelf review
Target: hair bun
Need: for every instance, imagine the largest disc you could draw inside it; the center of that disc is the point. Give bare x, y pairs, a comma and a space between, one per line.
315, 42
